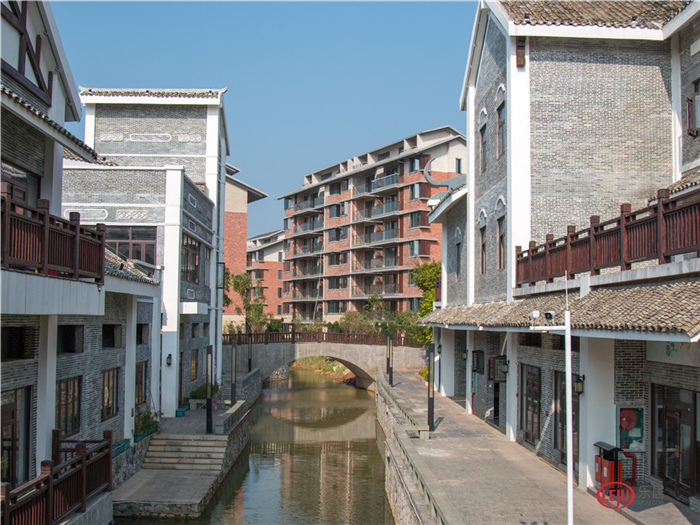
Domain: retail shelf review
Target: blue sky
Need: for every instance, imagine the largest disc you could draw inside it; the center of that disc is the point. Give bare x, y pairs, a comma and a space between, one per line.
309, 84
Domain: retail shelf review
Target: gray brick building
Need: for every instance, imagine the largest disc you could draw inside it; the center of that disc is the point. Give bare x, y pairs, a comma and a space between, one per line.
573, 112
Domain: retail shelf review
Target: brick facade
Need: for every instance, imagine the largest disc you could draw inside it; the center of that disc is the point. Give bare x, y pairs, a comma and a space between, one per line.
236, 228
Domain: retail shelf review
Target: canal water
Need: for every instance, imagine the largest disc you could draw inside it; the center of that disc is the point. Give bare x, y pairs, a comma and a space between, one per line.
314, 458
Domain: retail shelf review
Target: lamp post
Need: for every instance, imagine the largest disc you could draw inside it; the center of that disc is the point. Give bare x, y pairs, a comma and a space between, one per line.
233, 372
390, 358
250, 347
566, 328
209, 404
431, 389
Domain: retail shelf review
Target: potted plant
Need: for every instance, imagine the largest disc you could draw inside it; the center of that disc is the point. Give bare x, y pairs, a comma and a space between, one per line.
146, 423
199, 396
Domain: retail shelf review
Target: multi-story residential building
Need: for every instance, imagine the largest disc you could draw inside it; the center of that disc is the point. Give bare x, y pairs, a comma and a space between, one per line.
80, 330
356, 228
238, 196
543, 161
164, 203
265, 264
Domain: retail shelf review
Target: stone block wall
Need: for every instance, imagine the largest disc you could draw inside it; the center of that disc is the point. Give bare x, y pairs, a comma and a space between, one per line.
492, 344
187, 346
129, 462
456, 286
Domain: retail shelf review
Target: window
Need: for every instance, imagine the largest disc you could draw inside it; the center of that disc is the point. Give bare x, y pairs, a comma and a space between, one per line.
194, 364
416, 191
189, 263
530, 399
338, 210
286, 287
414, 304
287, 203
335, 259
69, 339
205, 329
693, 110
458, 260
338, 234
110, 384
141, 334
20, 185
285, 224
458, 165
501, 243
287, 245
134, 242
279, 309
140, 397
531, 339
279, 256
496, 369
478, 361
195, 330
415, 164
482, 137
338, 187
482, 232
414, 249
417, 219
279, 292
287, 266
14, 340
337, 283
111, 336
501, 130
336, 307
279, 274
68, 396
206, 256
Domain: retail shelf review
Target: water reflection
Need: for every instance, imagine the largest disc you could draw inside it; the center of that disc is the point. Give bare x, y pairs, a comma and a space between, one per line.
314, 458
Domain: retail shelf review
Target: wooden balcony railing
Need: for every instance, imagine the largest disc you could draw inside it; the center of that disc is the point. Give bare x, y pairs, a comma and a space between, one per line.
317, 336
669, 227
63, 487
35, 241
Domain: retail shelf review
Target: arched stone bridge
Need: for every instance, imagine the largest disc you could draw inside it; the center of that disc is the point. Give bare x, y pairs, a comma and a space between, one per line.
362, 360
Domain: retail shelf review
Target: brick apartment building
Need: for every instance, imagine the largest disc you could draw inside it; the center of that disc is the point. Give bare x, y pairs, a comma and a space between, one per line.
543, 161
264, 263
356, 228
238, 196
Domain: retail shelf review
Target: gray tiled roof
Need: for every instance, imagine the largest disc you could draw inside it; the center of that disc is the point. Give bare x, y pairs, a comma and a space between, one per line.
115, 266
603, 13
159, 93
671, 307
43, 116
68, 154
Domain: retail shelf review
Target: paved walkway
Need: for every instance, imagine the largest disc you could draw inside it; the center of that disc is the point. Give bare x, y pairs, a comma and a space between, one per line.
193, 423
489, 479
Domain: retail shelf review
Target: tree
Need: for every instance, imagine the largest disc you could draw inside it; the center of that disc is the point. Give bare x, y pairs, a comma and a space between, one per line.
227, 286
423, 276
253, 303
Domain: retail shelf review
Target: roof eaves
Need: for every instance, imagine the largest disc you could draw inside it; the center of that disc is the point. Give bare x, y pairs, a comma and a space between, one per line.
256, 193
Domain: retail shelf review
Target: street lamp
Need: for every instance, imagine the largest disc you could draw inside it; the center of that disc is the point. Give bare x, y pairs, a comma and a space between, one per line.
209, 389
431, 391
250, 346
566, 328
234, 347
390, 358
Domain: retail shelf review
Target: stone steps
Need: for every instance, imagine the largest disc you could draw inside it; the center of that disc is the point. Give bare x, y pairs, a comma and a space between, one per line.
178, 452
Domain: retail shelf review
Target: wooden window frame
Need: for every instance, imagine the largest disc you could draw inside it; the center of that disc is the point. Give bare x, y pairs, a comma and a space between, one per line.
121, 244
501, 243
533, 435
190, 259
72, 407
478, 361
110, 394
501, 130
140, 383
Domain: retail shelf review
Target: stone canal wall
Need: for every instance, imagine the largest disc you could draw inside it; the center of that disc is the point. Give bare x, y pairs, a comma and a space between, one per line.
248, 387
414, 494
129, 462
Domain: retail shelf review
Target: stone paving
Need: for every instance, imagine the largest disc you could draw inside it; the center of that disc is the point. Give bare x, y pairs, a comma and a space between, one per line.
489, 479
194, 422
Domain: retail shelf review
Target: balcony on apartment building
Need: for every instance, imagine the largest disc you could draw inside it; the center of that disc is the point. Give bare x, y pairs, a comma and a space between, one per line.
309, 316
376, 211
380, 263
376, 237
390, 180
307, 249
307, 294
371, 289
308, 227
307, 273
308, 205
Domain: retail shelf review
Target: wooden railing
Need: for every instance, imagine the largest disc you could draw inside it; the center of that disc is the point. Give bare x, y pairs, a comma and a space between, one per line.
61, 488
669, 227
35, 241
317, 336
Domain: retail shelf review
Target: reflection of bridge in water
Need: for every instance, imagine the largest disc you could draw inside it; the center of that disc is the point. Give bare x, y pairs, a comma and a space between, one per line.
311, 420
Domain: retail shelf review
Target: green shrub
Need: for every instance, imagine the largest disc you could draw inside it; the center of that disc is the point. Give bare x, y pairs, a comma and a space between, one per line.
275, 325
424, 373
201, 392
146, 421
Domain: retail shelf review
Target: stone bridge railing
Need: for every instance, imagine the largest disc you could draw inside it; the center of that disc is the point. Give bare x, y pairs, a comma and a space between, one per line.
318, 336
